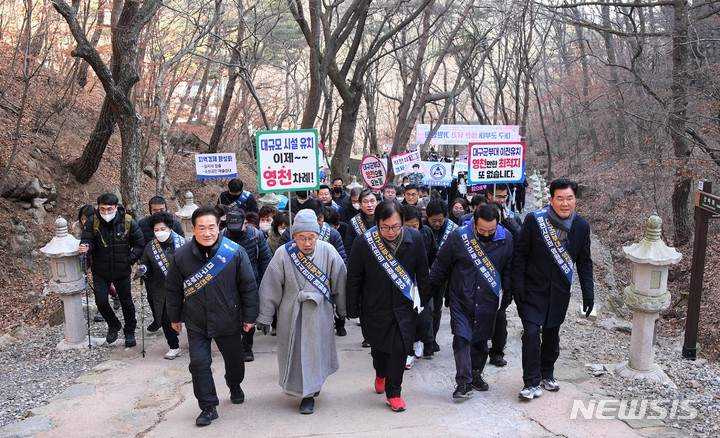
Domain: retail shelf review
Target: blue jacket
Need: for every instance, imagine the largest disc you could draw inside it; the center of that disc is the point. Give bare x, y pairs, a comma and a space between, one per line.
473, 304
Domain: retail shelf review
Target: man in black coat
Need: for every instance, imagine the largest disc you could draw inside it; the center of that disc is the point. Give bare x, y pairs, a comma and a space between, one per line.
338, 193
388, 314
364, 220
115, 242
551, 240
476, 260
236, 197
211, 286
156, 204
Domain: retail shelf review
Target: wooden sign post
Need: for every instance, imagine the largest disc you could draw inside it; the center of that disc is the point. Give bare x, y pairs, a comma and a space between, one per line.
707, 206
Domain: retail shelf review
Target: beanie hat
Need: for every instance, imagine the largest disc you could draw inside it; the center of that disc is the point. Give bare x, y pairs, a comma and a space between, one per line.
305, 220
235, 219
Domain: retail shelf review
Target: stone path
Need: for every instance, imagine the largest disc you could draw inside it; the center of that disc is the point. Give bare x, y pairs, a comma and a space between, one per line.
133, 396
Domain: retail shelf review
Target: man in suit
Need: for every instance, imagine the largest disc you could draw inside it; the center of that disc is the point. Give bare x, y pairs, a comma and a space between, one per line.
551, 241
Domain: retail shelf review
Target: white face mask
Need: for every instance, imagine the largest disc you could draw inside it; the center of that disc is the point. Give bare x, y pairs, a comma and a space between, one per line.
356, 206
109, 217
281, 230
265, 226
162, 235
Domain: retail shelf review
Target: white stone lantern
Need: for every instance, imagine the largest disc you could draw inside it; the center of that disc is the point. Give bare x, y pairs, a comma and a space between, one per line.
185, 213
270, 199
647, 296
68, 281
354, 183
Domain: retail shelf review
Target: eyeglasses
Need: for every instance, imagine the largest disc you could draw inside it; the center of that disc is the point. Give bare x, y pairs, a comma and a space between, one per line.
393, 228
310, 239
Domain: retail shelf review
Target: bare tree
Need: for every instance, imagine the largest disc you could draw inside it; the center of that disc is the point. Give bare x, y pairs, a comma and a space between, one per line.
118, 86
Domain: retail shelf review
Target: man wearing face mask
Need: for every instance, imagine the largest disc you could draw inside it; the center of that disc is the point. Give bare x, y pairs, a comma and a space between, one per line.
255, 245
154, 265
476, 260
156, 204
442, 228
298, 200
338, 193
115, 242
353, 208
364, 220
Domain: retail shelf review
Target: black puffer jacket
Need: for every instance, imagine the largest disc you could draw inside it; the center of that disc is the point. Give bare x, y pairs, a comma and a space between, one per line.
113, 248
222, 305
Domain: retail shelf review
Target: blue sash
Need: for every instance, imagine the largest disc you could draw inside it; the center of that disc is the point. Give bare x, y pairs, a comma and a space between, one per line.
212, 268
481, 261
240, 200
358, 224
557, 250
450, 226
309, 270
389, 263
335, 205
161, 256
324, 233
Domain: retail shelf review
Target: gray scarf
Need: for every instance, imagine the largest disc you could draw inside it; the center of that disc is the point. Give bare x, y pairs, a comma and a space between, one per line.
393, 245
562, 225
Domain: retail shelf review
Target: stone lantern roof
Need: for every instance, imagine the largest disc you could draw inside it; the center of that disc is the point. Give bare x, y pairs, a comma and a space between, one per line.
651, 249
63, 244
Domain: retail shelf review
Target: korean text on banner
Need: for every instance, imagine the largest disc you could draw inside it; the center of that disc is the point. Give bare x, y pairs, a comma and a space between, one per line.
491, 163
215, 165
373, 172
464, 134
439, 174
287, 160
400, 162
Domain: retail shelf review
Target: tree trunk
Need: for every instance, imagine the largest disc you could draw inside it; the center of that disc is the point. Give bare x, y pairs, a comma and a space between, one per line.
82, 75
676, 122
346, 136
316, 77
85, 166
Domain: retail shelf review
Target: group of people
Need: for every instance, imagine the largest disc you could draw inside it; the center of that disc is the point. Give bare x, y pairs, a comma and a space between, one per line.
391, 261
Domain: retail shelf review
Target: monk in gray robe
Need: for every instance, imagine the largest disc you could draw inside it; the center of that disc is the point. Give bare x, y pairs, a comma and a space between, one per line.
303, 280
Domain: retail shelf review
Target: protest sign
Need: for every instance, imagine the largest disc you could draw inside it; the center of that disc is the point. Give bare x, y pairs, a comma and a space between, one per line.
438, 174
215, 165
400, 162
460, 166
373, 172
491, 163
464, 134
287, 160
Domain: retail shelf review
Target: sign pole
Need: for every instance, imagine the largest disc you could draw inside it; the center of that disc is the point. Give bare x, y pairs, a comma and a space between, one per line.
689, 350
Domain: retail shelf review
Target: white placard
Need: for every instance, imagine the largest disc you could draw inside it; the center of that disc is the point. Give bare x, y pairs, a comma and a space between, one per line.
215, 165
287, 160
492, 163
401, 162
464, 134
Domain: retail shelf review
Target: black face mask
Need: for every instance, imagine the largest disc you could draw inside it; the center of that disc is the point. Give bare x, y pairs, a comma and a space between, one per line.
337, 190
486, 239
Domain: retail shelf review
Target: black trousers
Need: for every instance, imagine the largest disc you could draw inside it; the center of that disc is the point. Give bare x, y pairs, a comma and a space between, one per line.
391, 365
540, 351
468, 357
149, 294
499, 338
101, 288
437, 302
171, 336
201, 359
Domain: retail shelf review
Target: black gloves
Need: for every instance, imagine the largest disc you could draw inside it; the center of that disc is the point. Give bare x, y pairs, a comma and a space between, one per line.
506, 300
588, 306
264, 328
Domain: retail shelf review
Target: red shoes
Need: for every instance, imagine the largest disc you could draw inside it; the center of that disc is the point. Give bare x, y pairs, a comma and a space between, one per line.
379, 385
397, 404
